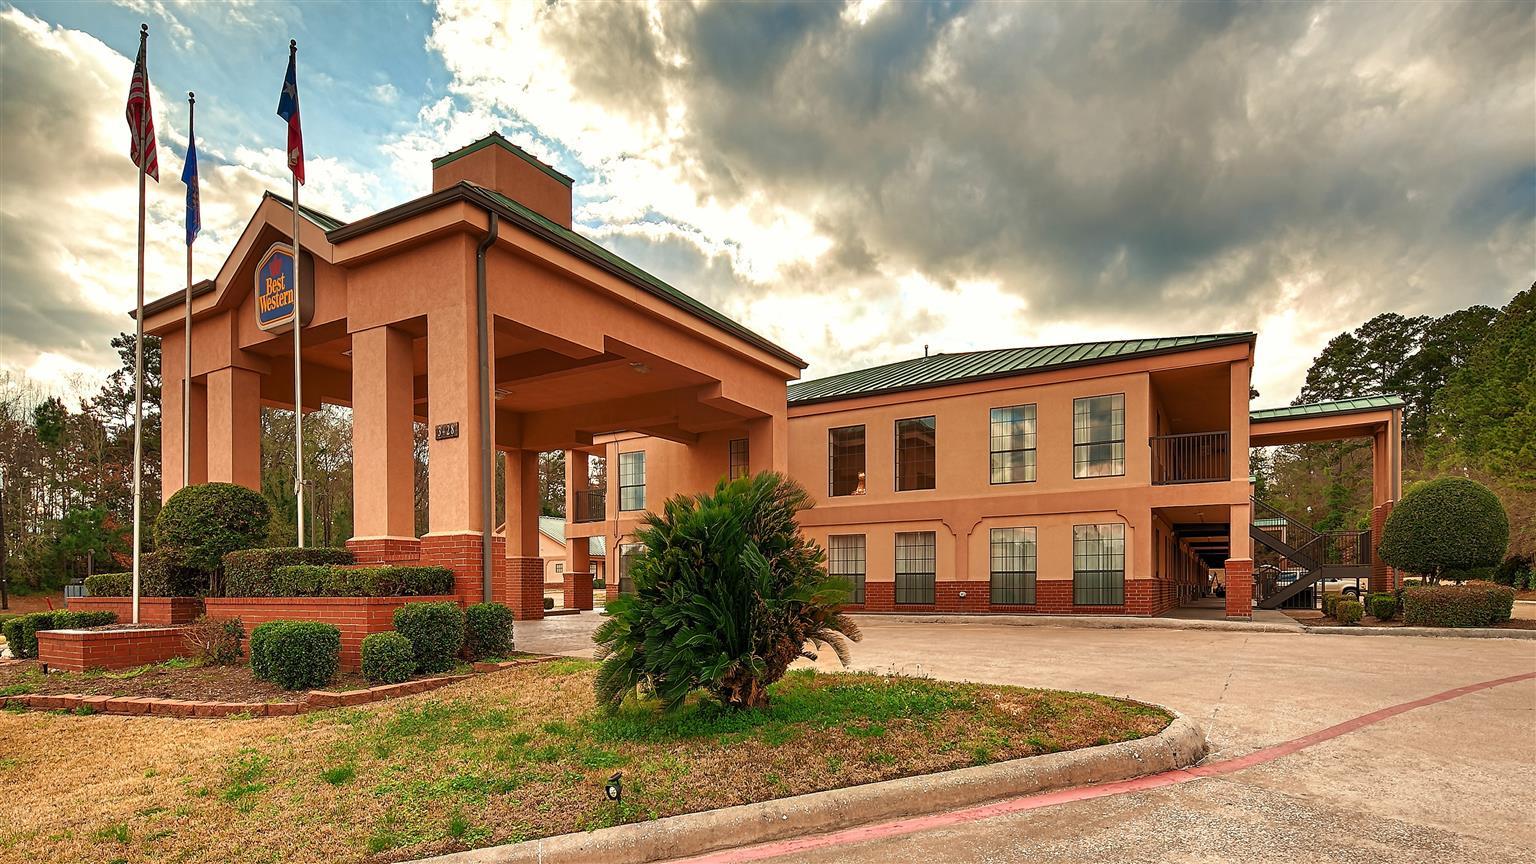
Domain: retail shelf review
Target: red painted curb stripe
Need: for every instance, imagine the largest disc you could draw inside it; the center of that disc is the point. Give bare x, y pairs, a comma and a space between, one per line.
913, 825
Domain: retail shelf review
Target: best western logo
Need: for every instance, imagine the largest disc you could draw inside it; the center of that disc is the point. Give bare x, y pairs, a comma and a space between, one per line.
275, 294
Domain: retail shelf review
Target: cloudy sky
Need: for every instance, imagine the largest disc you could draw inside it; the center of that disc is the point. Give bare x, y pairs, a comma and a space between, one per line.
854, 181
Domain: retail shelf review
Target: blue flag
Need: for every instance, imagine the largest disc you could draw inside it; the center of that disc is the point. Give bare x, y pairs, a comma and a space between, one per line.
189, 177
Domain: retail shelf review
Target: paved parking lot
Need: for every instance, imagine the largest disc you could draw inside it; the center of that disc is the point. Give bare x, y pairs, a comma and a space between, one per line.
1449, 782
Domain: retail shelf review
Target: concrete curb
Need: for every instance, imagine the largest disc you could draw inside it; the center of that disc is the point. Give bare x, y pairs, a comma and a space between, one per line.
1433, 632
1180, 745
1095, 622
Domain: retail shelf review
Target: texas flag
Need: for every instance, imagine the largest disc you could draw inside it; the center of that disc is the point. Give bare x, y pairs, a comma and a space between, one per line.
288, 109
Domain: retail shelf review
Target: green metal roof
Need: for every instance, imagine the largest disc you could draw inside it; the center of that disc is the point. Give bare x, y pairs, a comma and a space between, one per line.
1324, 409
325, 221
940, 369
667, 292
554, 526
497, 140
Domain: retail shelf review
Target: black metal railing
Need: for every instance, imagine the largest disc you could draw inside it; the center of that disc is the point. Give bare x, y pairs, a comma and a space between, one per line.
589, 505
1192, 457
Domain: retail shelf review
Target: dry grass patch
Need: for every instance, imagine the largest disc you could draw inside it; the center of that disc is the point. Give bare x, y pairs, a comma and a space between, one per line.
503, 757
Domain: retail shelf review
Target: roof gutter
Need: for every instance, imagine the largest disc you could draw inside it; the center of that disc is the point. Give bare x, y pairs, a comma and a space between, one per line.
487, 442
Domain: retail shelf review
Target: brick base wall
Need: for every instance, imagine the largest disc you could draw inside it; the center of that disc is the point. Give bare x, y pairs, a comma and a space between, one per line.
523, 588
1052, 597
79, 650
385, 550
356, 617
152, 610
578, 591
1239, 588
1383, 578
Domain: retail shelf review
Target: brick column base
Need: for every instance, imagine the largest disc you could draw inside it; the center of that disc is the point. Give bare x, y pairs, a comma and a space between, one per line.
1240, 588
578, 591
523, 588
461, 554
385, 550
1383, 578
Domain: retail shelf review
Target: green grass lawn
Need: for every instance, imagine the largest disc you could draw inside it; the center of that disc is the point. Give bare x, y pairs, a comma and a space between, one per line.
510, 756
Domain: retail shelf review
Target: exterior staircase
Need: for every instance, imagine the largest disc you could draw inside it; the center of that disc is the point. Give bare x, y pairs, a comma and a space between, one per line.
1320, 555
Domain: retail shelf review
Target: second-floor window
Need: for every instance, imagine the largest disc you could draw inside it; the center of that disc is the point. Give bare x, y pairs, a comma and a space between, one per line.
845, 560
1013, 444
916, 454
845, 460
632, 480
1098, 436
739, 459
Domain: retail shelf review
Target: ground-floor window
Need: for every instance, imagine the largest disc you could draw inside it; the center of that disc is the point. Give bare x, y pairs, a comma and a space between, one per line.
1098, 564
915, 557
845, 560
627, 553
1013, 566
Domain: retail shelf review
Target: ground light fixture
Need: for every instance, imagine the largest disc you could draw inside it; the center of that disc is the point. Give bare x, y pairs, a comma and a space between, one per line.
613, 790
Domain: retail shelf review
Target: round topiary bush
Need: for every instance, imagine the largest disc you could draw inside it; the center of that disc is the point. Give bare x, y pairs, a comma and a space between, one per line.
1383, 606
487, 631
296, 655
201, 524
387, 658
436, 631
1446, 525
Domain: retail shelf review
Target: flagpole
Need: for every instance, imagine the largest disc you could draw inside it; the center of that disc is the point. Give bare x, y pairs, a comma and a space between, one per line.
186, 350
138, 367
298, 362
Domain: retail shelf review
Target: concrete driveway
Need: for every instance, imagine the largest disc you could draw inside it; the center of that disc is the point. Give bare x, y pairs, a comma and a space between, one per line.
1448, 782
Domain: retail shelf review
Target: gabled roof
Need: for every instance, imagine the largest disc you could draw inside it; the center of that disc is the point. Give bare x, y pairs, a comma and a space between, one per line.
940, 369
1324, 409
554, 528
325, 221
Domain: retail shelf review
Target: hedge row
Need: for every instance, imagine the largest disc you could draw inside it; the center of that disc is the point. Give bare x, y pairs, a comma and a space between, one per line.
427, 637
309, 580
21, 632
1475, 604
247, 572
157, 578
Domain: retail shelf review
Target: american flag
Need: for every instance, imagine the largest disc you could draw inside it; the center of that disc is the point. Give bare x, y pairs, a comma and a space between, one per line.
288, 109
141, 118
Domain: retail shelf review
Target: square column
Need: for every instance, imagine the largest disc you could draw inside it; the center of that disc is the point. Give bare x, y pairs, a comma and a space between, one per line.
578, 573
171, 445
524, 567
234, 427
384, 482
768, 444
453, 397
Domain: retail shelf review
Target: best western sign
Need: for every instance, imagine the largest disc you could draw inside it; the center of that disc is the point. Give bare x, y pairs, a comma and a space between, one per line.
274, 289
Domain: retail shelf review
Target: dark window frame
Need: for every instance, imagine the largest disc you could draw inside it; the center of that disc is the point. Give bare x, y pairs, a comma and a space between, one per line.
626, 478
933, 450
844, 562
1084, 455
627, 551
914, 586
738, 468
1101, 568
1018, 576
836, 460
1029, 461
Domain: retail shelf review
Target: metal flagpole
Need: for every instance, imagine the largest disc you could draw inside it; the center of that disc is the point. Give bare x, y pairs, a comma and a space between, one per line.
298, 378
186, 346
138, 366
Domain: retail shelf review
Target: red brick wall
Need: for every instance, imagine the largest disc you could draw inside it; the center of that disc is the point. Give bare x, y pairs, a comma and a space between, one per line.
385, 550
1239, 588
578, 591
79, 650
1052, 597
152, 610
1383, 578
356, 617
524, 588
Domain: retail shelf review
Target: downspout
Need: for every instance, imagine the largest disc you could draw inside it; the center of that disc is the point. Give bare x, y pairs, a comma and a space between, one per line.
487, 445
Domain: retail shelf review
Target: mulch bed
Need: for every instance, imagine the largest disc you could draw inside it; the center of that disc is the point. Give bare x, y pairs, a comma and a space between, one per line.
160, 681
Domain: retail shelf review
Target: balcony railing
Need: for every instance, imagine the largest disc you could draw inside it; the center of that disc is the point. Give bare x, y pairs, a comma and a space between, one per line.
1194, 457
589, 505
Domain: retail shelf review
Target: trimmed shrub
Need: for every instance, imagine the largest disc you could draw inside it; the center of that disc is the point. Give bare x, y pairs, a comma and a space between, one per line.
296, 655
157, 578
487, 631
1446, 525
1383, 606
247, 572
1331, 603
68, 620
387, 658
549, 603
436, 631
201, 524
21, 632
1349, 612
215, 641
310, 580
1475, 604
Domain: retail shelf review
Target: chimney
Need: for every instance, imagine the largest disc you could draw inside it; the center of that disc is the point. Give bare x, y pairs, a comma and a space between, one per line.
501, 166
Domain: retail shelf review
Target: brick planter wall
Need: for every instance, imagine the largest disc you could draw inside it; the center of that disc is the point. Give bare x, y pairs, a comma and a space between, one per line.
357, 617
152, 610
385, 550
79, 650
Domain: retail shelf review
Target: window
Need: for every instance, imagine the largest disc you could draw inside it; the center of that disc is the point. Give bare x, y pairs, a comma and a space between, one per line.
1013, 444
559, 568
1013, 566
627, 553
1098, 565
739, 459
915, 454
845, 460
1098, 436
914, 567
632, 480
846, 561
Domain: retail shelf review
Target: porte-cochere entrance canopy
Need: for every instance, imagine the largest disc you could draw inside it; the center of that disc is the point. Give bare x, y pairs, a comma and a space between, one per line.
581, 344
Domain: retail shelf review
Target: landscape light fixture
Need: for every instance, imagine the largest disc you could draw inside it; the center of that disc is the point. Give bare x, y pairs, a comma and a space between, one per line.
613, 790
